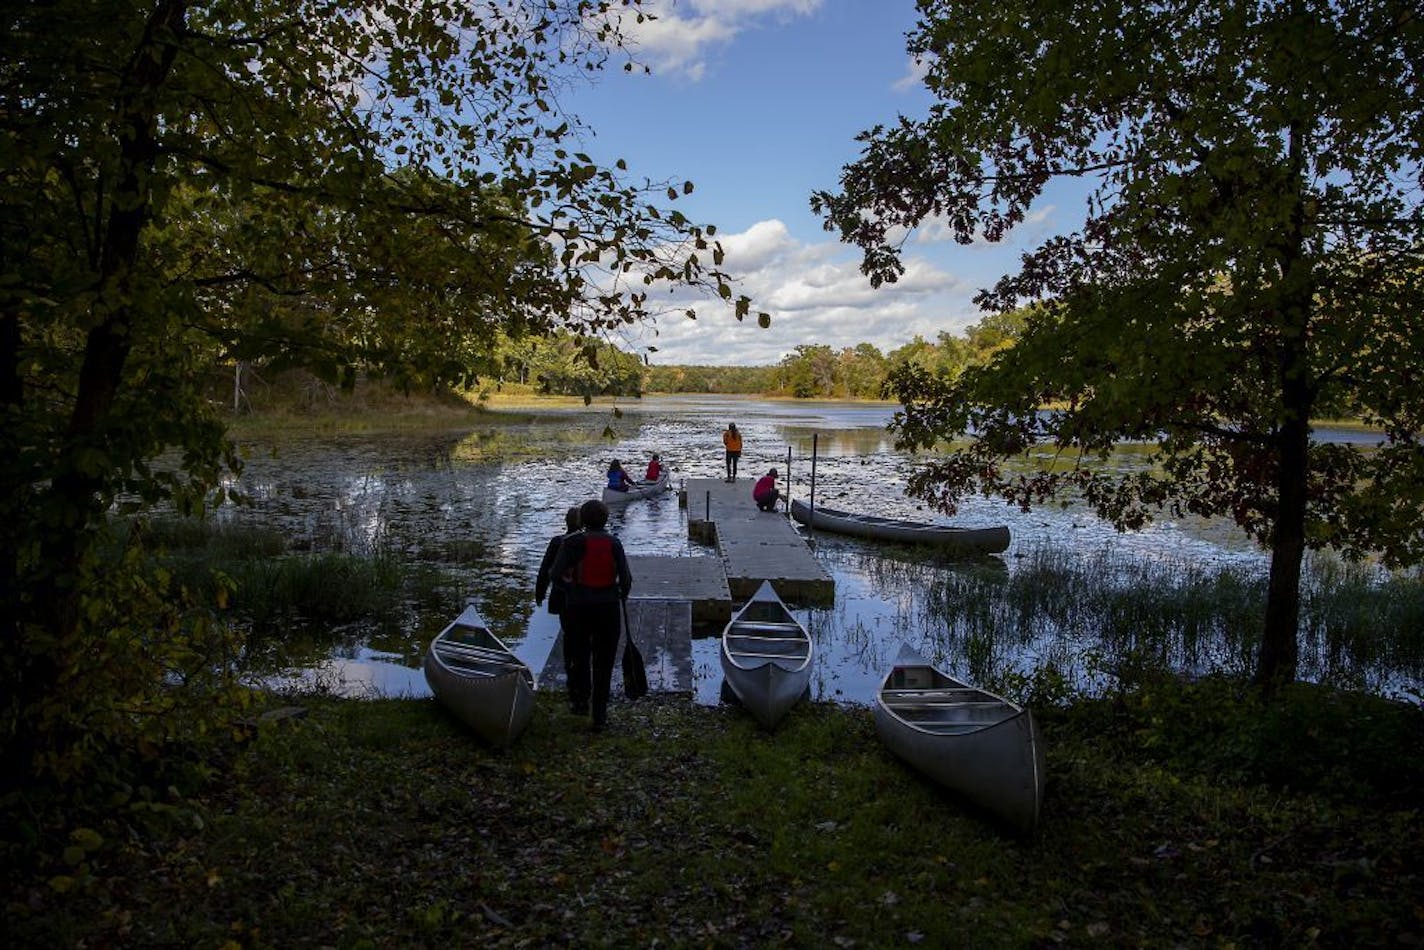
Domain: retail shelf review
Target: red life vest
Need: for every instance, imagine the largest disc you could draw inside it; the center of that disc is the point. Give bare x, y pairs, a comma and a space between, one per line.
598, 567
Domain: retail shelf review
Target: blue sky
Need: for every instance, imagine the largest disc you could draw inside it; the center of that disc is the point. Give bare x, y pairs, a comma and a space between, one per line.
758, 102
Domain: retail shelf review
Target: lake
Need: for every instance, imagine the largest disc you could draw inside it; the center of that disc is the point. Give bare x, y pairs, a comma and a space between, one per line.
483, 501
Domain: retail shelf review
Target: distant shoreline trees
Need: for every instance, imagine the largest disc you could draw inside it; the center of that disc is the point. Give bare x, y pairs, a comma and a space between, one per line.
819, 371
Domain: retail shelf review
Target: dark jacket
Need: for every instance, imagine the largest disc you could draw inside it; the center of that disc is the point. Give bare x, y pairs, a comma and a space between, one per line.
547, 581
566, 564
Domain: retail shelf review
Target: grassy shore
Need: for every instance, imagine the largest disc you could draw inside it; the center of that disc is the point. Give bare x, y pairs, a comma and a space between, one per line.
1175, 815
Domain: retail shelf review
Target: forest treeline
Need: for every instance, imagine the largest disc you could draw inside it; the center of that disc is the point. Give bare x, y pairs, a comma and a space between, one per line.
564, 365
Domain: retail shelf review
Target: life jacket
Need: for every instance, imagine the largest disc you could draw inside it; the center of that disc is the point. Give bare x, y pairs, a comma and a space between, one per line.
598, 567
654, 470
617, 479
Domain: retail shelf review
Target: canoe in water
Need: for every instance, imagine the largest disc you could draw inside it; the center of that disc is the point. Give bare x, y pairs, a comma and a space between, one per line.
639, 490
969, 541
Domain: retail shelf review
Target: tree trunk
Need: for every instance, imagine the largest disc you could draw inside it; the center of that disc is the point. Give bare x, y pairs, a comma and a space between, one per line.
1280, 651
68, 513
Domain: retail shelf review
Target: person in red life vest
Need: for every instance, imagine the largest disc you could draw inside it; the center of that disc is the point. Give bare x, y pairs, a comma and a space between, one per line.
598, 581
546, 581
655, 469
618, 479
765, 493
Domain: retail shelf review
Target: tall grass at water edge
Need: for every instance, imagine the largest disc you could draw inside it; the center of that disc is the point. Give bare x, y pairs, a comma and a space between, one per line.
281, 598
1061, 623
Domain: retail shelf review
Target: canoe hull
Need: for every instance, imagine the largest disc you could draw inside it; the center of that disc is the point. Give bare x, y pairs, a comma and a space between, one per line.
640, 490
479, 680
979, 746
766, 657
967, 541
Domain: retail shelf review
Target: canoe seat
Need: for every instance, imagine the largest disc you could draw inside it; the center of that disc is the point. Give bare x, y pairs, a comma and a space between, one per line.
754, 638
751, 655
918, 704
951, 694
765, 626
470, 649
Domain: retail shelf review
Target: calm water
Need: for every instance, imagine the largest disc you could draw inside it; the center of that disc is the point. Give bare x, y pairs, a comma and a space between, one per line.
483, 502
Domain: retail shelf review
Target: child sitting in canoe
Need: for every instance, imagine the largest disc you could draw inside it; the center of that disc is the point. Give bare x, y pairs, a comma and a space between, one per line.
618, 479
655, 469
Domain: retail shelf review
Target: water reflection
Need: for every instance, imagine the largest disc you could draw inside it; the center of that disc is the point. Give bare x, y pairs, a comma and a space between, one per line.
482, 503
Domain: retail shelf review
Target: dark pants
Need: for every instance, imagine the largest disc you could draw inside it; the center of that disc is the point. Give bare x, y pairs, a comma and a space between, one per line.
768, 501
732, 458
590, 644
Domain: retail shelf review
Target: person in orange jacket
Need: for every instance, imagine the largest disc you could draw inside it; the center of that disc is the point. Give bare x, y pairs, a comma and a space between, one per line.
732, 441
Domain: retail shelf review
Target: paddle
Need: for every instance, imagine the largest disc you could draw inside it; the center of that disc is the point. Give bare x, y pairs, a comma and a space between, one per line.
635, 675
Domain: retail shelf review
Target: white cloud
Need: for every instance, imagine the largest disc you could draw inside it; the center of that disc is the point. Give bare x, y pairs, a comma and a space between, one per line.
916, 68
678, 37
815, 294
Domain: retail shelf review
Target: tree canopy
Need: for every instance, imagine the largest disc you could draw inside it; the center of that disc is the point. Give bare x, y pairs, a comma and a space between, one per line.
358, 184
1249, 260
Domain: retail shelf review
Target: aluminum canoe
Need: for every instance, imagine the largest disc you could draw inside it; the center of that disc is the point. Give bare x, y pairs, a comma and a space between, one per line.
639, 490
766, 657
977, 745
968, 541
480, 680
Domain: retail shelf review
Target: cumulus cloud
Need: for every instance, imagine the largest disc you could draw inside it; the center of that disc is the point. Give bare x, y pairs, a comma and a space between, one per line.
815, 294
1036, 224
916, 68
678, 36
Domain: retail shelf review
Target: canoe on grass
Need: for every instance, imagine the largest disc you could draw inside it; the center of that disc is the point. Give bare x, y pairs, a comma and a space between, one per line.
480, 680
766, 657
978, 745
639, 490
989, 540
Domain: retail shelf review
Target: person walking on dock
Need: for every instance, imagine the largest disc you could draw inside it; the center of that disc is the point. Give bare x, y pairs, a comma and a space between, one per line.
547, 582
732, 441
765, 492
598, 581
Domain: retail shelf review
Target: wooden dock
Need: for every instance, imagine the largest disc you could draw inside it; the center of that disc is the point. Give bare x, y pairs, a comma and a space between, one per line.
754, 545
662, 629
701, 581
674, 596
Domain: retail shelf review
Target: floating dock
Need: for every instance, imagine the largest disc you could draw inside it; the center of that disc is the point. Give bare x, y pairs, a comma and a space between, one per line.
662, 629
673, 597
754, 545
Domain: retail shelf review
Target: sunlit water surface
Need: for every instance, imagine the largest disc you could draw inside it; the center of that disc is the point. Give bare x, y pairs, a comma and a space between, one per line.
482, 504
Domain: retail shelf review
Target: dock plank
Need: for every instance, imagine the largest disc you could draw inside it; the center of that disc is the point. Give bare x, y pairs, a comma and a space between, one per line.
662, 629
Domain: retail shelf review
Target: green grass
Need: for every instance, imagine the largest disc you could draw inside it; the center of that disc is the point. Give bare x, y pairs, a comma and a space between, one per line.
385, 824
